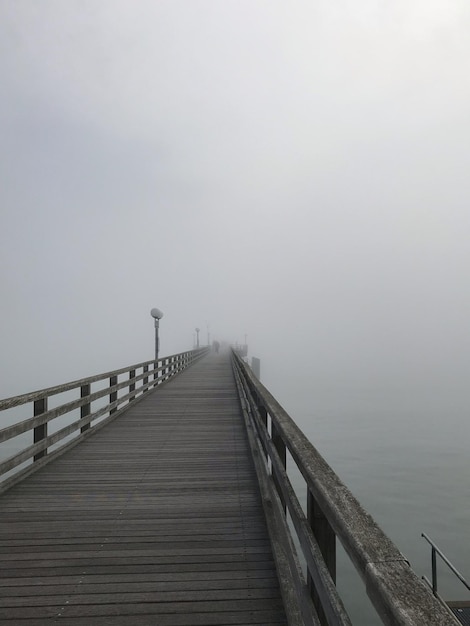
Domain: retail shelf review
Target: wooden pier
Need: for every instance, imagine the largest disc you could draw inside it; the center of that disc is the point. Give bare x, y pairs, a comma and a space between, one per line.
169, 507
156, 519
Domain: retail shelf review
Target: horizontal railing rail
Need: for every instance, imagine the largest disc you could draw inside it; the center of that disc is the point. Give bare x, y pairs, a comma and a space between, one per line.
434, 552
140, 378
332, 512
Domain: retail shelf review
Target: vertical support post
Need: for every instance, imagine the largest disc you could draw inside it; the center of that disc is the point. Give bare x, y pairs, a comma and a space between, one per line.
85, 408
40, 432
113, 395
156, 373
263, 415
281, 450
145, 378
262, 411
131, 385
434, 570
326, 540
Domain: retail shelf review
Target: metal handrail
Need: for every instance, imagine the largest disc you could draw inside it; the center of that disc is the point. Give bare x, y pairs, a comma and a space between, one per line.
435, 550
397, 593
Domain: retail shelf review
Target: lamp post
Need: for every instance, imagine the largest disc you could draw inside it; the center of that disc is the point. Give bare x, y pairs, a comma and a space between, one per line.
197, 337
157, 316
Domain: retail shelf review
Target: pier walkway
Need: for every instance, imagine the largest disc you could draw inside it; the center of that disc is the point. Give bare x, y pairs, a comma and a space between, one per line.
155, 519
160, 494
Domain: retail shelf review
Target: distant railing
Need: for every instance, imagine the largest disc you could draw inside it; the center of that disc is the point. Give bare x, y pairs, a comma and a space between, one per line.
139, 379
398, 595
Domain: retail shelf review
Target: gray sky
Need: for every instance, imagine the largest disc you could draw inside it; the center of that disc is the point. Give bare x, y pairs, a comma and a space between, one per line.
295, 171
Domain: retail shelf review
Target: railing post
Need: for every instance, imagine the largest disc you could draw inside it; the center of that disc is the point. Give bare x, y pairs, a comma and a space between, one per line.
264, 417
40, 432
434, 570
262, 411
326, 540
86, 408
113, 395
145, 379
131, 385
281, 450
155, 373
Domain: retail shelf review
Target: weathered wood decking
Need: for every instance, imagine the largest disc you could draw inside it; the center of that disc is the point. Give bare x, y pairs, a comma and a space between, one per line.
156, 519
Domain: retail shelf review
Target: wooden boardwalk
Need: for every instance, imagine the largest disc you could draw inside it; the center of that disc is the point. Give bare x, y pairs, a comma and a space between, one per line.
154, 520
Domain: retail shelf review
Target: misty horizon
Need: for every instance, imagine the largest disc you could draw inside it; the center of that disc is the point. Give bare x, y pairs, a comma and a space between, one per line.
299, 177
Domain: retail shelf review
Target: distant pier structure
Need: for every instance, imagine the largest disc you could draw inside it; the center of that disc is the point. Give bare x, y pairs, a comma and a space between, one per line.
160, 494
256, 367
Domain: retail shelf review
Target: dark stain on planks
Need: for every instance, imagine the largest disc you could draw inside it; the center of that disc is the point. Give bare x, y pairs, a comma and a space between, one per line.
156, 519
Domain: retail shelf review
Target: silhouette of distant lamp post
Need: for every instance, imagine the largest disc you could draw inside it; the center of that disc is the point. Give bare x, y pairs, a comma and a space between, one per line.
157, 316
197, 337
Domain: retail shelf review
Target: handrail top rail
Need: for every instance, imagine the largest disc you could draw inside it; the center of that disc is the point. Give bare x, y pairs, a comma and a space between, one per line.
9, 403
446, 560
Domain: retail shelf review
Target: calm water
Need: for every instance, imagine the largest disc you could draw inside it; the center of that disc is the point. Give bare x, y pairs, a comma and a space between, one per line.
406, 458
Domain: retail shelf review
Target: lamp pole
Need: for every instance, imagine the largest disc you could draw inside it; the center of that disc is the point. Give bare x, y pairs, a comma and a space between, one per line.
197, 337
157, 316
156, 339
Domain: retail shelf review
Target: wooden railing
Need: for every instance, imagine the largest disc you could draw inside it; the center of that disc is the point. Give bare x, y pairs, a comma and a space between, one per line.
121, 388
308, 577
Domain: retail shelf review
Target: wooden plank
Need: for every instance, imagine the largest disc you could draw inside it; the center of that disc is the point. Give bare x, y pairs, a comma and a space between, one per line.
131, 585
240, 618
45, 570
101, 596
154, 519
119, 577
139, 608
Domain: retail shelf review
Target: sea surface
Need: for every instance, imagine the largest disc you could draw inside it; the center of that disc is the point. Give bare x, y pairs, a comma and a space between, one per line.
405, 456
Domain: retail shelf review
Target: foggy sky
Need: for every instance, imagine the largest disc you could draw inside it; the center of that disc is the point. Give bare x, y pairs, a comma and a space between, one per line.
298, 172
